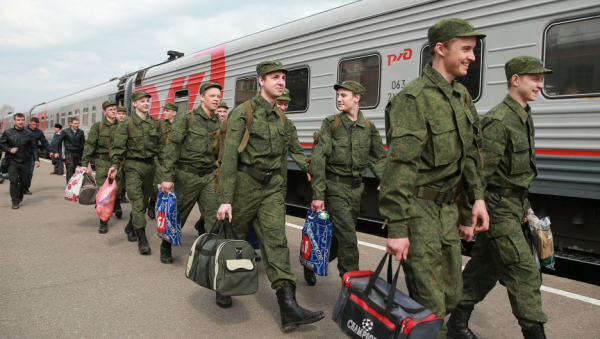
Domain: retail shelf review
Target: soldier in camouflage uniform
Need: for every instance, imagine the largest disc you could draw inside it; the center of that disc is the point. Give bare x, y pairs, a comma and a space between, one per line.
509, 168
340, 159
97, 147
121, 114
138, 140
250, 181
188, 163
432, 145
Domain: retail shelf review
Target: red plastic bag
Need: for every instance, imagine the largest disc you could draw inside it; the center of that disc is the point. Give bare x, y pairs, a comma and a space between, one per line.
105, 200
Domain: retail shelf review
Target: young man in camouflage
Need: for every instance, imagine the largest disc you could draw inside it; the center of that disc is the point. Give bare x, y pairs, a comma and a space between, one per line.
432, 146
509, 168
188, 163
250, 186
348, 143
138, 140
221, 111
97, 147
121, 114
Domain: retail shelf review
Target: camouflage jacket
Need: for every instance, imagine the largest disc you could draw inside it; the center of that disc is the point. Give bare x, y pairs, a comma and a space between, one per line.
98, 139
348, 153
431, 140
145, 141
191, 147
166, 126
269, 138
294, 148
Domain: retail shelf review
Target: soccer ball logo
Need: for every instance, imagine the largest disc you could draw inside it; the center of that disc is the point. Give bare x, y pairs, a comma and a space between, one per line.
367, 325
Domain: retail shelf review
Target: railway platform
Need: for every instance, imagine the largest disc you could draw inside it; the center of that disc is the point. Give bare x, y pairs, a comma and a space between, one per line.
60, 278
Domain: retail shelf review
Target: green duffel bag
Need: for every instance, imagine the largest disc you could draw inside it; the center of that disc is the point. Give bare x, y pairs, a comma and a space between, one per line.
87, 194
223, 265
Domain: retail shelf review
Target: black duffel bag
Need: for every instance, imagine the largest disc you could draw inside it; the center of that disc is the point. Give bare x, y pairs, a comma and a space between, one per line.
370, 307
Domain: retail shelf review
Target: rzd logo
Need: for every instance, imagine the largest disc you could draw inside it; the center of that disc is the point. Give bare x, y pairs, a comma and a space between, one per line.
306, 247
161, 222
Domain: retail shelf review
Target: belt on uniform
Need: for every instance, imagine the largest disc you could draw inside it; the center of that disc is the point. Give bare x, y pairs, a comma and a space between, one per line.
196, 171
264, 176
352, 181
517, 193
439, 197
147, 161
104, 157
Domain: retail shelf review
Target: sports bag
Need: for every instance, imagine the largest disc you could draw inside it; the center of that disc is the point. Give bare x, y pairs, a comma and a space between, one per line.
316, 241
223, 265
370, 307
168, 219
88, 191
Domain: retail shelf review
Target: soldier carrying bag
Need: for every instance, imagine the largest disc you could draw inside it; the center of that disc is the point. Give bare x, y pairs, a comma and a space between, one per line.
226, 266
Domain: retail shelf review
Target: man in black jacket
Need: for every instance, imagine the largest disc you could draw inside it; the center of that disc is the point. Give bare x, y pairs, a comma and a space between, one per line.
38, 138
74, 141
18, 144
59, 166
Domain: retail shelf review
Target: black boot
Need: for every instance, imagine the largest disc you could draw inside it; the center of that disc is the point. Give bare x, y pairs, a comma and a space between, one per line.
165, 252
223, 301
152, 208
309, 276
536, 332
103, 227
118, 211
200, 227
292, 315
458, 324
124, 199
142, 241
257, 257
129, 231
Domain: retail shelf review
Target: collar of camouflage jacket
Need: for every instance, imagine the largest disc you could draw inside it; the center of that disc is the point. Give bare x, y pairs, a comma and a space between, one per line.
204, 115
441, 82
523, 113
360, 121
259, 100
137, 120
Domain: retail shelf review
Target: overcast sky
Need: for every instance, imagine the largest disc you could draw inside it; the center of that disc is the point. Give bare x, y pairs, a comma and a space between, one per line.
49, 49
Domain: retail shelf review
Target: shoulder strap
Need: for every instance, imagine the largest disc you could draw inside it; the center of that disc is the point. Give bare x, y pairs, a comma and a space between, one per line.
155, 123
110, 142
368, 123
465, 97
190, 122
130, 126
100, 127
336, 124
248, 123
283, 117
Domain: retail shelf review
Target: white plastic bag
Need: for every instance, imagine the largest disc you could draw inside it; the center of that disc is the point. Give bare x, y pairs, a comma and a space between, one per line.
74, 185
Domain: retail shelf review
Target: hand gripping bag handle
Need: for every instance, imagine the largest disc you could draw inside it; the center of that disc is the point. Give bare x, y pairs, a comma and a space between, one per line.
222, 229
393, 283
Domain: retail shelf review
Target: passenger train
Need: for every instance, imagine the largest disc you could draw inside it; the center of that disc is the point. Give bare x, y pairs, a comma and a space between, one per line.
383, 45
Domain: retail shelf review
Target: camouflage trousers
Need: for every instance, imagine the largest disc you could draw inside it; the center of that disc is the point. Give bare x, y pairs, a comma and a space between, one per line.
262, 204
157, 180
102, 168
139, 177
434, 264
342, 202
506, 258
191, 189
120, 182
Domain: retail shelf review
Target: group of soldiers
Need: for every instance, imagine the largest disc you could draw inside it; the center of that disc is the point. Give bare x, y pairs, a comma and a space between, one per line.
438, 153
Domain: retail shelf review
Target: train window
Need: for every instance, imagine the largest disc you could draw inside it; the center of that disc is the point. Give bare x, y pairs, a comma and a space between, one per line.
297, 82
76, 113
63, 120
571, 51
366, 71
472, 81
84, 118
93, 115
245, 89
181, 100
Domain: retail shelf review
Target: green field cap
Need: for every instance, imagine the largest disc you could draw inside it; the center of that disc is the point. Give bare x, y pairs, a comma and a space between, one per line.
267, 67
524, 65
285, 96
108, 103
121, 108
352, 86
223, 104
140, 94
208, 85
451, 28
171, 106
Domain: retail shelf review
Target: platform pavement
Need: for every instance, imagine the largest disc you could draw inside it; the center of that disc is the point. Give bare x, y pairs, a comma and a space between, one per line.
60, 278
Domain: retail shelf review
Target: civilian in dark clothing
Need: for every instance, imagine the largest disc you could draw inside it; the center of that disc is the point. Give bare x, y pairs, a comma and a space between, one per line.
38, 137
59, 165
74, 141
18, 143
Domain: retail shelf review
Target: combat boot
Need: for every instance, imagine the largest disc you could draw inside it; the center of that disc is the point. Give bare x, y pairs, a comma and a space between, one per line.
458, 324
103, 227
536, 332
165, 252
118, 211
309, 276
292, 315
152, 208
223, 301
131, 237
142, 241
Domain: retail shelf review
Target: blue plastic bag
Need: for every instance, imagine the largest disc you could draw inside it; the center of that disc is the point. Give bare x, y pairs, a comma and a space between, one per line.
168, 220
316, 241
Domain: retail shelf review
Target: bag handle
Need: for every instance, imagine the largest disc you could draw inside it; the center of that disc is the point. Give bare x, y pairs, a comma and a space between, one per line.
222, 228
393, 282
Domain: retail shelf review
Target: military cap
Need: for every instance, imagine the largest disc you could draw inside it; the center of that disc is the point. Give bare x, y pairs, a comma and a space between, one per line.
59, 126
524, 65
352, 86
451, 28
208, 85
171, 106
223, 104
267, 67
121, 108
285, 96
140, 94
108, 103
